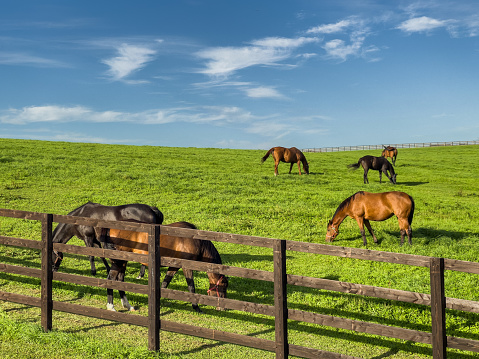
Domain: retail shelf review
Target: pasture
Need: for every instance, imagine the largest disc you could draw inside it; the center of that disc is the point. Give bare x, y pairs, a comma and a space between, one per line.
231, 191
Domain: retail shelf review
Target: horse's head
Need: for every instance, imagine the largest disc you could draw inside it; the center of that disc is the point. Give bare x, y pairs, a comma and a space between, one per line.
57, 260
393, 179
219, 288
332, 232
306, 167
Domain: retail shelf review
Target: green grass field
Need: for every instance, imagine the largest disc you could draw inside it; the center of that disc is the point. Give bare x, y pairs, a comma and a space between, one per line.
231, 191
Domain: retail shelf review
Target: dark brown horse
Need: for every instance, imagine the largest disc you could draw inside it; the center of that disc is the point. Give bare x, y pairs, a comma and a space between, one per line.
390, 152
289, 155
365, 207
136, 212
170, 246
375, 163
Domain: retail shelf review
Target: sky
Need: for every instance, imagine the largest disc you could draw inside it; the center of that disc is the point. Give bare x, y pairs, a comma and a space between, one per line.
240, 74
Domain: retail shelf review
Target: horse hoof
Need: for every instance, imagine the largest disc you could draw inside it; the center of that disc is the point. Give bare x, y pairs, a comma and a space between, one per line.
132, 309
110, 307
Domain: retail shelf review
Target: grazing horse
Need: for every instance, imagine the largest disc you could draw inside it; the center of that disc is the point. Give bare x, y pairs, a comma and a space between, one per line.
365, 206
375, 163
136, 212
289, 155
170, 246
390, 152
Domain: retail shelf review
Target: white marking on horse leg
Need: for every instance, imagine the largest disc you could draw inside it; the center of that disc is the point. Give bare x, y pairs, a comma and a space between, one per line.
126, 304
110, 307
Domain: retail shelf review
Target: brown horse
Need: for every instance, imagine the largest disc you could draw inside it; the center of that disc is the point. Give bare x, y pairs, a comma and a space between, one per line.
390, 152
170, 246
375, 163
289, 155
365, 206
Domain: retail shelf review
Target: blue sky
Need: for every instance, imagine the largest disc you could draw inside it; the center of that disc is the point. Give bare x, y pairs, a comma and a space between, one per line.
239, 74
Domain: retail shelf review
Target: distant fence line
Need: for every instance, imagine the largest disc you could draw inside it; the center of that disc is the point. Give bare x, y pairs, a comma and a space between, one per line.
380, 147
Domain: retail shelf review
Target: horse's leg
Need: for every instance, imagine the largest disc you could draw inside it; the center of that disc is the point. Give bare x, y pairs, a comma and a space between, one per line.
291, 167
112, 275
169, 276
124, 300
276, 163
96, 243
366, 181
381, 176
405, 228
191, 286
142, 272
360, 221
368, 226
89, 240
299, 167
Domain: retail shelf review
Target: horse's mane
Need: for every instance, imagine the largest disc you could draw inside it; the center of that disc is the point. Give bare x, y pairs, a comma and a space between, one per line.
78, 209
346, 202
209, 252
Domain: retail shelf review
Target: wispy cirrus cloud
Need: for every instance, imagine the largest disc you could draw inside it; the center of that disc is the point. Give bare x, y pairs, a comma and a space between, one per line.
192, 114
129, 59
422, 24
25, 59
354, 32
222, 62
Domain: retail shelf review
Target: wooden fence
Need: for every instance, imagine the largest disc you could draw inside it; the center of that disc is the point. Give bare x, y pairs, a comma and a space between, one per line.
437, 338
381, 147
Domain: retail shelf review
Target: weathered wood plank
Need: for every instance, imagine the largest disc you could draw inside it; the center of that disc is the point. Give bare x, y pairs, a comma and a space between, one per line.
219, 237
47, 273
100, 252
206, 333
20, 299
128, 318
359, 253
280, 299
154, 286
86, 221
438, 308
20, 242
463, 344
358, 326
20, 214
461, 266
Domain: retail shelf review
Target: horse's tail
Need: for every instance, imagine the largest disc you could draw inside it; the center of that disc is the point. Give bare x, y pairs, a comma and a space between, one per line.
411, 214
355, 166
267, 155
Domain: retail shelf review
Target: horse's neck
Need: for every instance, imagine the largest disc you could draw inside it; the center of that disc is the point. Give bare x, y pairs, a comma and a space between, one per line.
340, 215
63, 233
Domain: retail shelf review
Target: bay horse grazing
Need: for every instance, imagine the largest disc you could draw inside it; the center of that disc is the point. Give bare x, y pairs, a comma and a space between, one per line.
136, 212
170, 246
390, 151
365, 207
380, 164
288, 155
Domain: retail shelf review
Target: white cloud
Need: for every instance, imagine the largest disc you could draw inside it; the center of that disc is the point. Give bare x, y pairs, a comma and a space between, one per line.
130, 58
198, 114
9, 58
224, 61
422, 24
340, 26
263, 92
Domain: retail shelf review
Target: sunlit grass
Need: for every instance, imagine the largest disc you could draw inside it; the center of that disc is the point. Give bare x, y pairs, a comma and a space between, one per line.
231, 191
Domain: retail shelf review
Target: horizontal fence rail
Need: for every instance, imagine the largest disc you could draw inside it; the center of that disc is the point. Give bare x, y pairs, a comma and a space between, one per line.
437, 338
398, 145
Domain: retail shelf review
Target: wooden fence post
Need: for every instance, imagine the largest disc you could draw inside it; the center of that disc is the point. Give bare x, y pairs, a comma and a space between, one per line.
438, 309
154, 288
280, 299
47, 272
